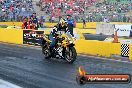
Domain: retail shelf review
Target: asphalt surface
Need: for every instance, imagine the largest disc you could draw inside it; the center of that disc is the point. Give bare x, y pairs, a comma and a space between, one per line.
26, 67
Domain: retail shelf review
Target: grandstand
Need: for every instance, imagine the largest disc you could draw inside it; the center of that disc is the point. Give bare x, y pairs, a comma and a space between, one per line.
15, 10
90, 10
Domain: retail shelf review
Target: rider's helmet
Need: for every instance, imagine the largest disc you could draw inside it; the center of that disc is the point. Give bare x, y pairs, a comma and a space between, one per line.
62, 22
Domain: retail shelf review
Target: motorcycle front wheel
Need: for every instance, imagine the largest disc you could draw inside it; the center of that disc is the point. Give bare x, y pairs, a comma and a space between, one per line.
46, 51
70, 55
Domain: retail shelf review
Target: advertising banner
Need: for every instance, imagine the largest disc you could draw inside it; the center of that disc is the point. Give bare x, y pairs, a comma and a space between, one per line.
32, 37
131, 31
123, 29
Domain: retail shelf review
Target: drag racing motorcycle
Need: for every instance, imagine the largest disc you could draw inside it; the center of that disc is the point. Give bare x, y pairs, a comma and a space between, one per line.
63, 49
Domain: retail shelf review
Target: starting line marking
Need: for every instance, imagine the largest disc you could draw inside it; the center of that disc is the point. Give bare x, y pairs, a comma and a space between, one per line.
105, 59
5, 84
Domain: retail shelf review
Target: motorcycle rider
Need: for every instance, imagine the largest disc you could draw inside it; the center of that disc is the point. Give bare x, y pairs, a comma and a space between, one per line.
58, 29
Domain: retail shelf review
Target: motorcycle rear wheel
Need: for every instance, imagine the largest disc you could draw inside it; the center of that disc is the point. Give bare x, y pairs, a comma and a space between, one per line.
46, 51
70, 55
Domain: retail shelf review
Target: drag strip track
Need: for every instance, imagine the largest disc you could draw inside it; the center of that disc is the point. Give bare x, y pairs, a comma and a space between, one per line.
26, 67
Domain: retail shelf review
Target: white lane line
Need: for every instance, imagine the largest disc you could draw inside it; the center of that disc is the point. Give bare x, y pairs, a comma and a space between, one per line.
105, 58
5, 84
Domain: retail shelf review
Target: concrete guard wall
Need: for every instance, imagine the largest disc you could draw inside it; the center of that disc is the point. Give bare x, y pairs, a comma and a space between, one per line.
105, 28
11, 36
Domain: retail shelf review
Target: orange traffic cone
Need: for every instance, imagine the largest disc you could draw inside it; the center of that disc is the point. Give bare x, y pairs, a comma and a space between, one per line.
115, 38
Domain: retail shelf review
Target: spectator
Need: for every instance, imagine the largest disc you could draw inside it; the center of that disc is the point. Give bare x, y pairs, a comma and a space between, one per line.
17, 10
70, 24
35, 21
25, 23
80, 7
14, 10
84, 23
